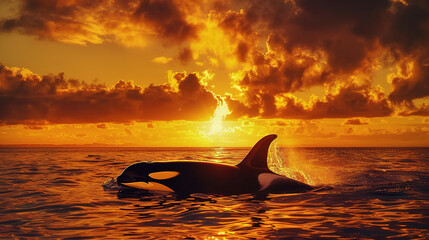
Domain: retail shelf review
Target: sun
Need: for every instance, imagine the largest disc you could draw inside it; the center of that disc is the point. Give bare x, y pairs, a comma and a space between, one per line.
218, 116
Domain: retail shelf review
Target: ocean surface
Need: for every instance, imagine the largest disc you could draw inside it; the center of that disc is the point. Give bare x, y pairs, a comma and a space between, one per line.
362, 193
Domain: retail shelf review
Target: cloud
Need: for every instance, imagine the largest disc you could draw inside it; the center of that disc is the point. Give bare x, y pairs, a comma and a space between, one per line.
27, 97
414, 111
239, 28
185, 55
307, 43
276, 48
280, 124
323, 43
336, 27
83, 21
328, 44
33, 127
348, 130
355, 121
102, 126
411, 82
240, 109
311, 129
383, 137
167, 19
349, 101
128, 132
285, 72
162, 60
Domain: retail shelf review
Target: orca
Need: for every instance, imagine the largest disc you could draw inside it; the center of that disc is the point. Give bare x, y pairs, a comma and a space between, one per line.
251, 175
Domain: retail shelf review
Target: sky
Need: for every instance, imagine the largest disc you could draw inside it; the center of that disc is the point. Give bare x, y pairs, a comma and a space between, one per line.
171, 73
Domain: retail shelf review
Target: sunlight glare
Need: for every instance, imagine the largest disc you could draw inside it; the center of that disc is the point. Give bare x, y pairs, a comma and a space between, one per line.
218, 116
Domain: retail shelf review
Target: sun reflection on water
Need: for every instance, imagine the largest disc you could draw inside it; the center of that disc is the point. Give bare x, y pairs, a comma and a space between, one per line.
221, 235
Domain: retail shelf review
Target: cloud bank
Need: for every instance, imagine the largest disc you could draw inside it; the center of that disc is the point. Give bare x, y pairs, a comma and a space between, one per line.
279, 48
28, 98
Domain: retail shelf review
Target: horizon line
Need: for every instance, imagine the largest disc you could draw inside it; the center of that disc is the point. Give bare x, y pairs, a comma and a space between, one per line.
103, 145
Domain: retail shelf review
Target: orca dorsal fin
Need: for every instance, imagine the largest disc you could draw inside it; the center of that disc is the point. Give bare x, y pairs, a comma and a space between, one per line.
257, 157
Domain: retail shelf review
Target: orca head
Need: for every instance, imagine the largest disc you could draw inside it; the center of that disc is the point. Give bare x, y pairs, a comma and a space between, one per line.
137, 172
146, 175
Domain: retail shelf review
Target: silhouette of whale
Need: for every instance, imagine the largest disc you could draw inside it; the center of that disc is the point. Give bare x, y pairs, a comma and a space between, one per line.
251, 175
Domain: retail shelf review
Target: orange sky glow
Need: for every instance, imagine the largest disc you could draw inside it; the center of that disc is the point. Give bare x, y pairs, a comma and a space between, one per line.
165, 73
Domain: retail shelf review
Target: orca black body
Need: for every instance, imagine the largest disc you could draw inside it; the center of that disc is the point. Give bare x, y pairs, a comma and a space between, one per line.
251, 175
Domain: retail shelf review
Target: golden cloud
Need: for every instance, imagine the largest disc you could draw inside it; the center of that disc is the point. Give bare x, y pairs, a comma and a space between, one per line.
84, 21
350, 101
355, 121
282, 47
28, 97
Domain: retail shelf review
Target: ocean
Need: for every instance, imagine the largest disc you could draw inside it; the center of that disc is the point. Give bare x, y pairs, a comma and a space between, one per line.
361, 193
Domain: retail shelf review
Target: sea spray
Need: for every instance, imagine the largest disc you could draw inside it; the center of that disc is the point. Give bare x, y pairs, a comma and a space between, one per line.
286, 165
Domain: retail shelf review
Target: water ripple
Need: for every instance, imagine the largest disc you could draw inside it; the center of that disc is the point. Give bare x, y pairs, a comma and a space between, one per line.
365, 193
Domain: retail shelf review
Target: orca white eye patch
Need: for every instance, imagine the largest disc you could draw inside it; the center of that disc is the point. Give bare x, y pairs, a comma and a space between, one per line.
163, 175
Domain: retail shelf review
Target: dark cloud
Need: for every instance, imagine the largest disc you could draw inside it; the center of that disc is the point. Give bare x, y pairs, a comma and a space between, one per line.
284, 72
350, 101
239, 109
348, 130
406, 29
166, 18
329, 43
335, 27
382, 137
102, 126
220, 5
239, 27
242, 51
128, 132
55, 19
355, 121
313, 129
414, 111
86, 21
288, 46
416, 85
54, 99
309, 43
185, 55
33, 127
281, 124
339, 28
